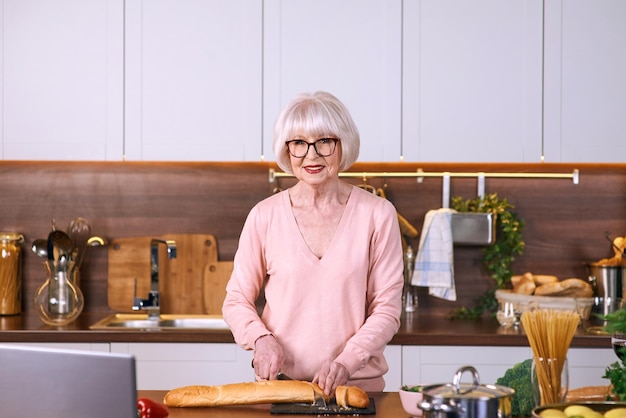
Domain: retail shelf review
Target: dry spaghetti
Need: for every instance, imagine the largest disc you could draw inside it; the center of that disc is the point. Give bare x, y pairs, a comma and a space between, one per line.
550, 333
9, 279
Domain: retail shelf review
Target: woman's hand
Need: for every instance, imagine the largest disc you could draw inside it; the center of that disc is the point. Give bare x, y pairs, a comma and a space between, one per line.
268, 358
331, 375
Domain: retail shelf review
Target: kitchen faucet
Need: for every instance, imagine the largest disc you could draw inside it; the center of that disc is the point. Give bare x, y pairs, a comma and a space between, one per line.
151, 304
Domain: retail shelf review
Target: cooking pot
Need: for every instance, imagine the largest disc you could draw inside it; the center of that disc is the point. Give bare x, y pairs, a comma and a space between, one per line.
467, 400
608, 281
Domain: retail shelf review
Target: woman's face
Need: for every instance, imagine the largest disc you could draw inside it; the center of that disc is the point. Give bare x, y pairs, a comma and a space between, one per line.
313, 168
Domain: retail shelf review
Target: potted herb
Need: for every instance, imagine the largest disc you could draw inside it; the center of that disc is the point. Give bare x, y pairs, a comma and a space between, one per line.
498, 258
616, 372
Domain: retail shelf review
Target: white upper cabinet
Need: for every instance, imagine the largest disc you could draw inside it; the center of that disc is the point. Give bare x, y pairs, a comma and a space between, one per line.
61, 79
204, 80
193, 80
472, 80
585, 95
350, 48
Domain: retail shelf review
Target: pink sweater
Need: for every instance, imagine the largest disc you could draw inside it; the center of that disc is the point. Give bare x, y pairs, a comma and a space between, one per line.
344, 307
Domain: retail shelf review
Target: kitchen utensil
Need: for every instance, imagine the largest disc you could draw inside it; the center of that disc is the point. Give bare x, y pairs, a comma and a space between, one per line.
607, 280
57, 301
181, 283
60, 247
40, 247
79, 232
466, 400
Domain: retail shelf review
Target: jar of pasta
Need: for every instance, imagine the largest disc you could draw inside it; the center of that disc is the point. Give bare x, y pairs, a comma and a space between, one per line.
10, 273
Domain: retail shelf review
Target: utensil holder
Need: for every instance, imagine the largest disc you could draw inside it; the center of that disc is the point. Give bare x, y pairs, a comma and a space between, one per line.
58, 301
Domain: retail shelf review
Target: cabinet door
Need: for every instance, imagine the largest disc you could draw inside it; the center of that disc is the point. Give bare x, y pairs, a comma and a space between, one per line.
437, 364
193, 80
472, 88
61, 70
163, 366
351, 49
585, 97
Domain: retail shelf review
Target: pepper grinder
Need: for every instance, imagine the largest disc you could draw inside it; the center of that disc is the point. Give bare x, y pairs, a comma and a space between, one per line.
409, 297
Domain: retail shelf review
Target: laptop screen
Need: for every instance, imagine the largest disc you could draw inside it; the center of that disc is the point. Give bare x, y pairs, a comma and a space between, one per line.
46, 382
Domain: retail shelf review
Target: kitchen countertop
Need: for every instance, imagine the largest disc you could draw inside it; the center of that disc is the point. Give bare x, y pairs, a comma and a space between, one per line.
415, 329
387, 406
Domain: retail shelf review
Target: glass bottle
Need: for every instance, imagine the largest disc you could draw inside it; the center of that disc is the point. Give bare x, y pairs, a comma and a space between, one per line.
10, 273
409, 296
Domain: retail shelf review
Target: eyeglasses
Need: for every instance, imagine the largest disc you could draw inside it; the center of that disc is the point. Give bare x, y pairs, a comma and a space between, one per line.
324, 147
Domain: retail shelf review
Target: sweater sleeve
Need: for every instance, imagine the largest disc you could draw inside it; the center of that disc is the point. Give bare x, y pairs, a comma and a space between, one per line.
384, 294
245, 284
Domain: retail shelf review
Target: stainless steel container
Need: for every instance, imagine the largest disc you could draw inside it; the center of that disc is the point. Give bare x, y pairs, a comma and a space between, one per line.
608, 281
467, 400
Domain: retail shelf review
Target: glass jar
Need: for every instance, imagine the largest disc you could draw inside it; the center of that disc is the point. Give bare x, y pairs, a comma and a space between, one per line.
550, 380
10, 273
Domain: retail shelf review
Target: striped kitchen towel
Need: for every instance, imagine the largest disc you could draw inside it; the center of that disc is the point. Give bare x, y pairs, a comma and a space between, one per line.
434, 264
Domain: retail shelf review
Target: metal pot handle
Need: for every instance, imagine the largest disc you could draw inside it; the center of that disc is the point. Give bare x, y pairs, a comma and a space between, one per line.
456, 381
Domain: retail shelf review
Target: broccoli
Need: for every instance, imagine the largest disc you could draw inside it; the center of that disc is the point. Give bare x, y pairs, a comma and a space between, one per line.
518, 378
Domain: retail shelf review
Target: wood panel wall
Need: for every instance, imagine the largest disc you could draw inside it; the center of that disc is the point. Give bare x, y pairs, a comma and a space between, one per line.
565, 223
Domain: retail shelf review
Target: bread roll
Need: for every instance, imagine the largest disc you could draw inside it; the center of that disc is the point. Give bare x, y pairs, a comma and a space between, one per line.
524, 284
541, 279
353, 396
248, 393
573, 287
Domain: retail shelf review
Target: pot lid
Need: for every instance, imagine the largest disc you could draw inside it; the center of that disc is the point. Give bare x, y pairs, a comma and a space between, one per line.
474, 390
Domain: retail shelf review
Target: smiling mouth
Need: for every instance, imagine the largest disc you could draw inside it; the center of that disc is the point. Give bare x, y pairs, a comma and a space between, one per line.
313, 169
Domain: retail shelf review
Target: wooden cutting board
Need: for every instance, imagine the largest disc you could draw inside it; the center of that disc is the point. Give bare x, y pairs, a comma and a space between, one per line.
216, 276
181, 278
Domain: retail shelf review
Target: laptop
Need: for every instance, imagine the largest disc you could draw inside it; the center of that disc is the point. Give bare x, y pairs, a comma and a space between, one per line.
59, 383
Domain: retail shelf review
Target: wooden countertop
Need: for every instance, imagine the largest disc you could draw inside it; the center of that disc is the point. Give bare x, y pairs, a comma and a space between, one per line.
415, 329
387, 406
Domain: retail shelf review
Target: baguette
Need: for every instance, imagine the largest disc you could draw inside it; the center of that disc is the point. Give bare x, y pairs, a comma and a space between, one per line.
247, 393
588, 394
577, 288
351, 396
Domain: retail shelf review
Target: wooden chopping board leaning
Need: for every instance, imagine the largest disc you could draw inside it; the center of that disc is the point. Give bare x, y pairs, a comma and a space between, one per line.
187, 283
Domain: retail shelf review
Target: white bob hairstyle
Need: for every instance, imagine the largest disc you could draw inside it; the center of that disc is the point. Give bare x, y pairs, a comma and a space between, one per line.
316, 115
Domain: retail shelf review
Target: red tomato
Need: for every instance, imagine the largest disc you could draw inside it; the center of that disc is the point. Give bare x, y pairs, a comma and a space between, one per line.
147, 408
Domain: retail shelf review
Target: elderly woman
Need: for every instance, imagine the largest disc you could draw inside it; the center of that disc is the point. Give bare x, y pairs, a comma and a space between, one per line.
328, 255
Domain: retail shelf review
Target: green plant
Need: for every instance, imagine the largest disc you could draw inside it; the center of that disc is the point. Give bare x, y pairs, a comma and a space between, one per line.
615, 321
498, 258
518, 378
616, 373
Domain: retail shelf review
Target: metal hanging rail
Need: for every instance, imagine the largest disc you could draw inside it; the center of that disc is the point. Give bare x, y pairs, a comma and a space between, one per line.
420, 174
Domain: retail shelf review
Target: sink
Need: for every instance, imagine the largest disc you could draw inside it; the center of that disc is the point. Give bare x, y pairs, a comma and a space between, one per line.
165, 322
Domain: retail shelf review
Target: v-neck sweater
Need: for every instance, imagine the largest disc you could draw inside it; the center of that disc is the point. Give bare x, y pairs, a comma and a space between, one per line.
344, 306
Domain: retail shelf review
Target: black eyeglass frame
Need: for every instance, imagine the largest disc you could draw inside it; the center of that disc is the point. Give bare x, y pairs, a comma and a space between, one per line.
314, 144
